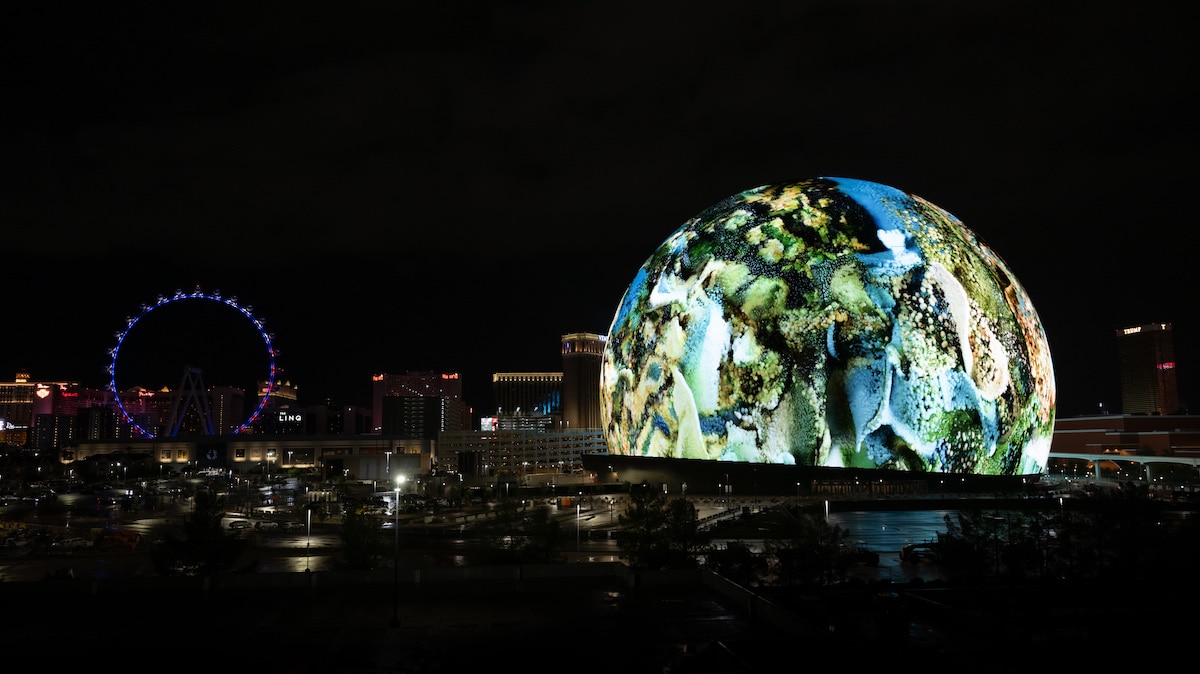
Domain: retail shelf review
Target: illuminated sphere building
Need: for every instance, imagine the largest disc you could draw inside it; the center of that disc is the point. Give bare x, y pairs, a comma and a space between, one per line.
832, 323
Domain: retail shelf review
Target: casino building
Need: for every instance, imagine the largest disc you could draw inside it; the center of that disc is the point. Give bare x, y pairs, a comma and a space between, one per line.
1148, 378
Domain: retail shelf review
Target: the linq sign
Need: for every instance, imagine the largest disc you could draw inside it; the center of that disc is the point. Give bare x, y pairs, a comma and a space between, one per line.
286, 417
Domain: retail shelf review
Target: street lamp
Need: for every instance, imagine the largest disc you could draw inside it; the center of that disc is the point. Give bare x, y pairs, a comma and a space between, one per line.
396, 556
578, 504
995, 522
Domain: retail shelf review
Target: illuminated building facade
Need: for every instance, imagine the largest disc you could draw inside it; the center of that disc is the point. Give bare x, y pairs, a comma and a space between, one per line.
528, 394
228, 406
281, 412
16, 410
217, 410
452, 412
583, 355
1128, 434
363, 458
148, 409
527, 456
1148, 385
47, 415
544, 422
284, 393
414, 416
329, 418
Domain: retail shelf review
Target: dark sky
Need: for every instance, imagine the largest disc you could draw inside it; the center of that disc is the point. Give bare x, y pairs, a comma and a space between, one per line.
448, 186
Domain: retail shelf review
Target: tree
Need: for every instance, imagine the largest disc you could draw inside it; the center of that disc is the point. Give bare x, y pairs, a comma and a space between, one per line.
639, 536
809, 551
516, 535
543, 535
965, 550
657, 533
204, 548
682, 538
363, 543
738, 563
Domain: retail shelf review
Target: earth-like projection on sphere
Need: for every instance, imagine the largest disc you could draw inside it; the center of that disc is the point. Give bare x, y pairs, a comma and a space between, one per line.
835, 323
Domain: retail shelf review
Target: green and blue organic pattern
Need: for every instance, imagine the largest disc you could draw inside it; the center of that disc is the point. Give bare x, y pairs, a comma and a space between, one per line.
830, 322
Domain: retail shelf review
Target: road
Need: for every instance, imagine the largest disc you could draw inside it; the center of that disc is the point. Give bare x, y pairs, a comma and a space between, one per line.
587, 530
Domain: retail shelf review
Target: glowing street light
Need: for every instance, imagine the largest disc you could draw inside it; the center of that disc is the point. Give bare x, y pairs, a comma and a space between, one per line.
396, 556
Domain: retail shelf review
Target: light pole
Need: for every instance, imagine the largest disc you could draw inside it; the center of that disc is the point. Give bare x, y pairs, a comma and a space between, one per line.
396, 557
308, 542
578, 504
995, 522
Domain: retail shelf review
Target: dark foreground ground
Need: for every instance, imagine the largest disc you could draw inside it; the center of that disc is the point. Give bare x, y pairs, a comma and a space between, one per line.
582, 621
561, 625
586, 623
591, 624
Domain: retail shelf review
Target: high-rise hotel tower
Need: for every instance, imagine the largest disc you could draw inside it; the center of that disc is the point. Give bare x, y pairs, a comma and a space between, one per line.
398, 407
583, 354
1148, 370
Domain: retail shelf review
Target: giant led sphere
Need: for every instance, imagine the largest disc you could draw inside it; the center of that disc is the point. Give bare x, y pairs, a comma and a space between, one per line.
833, 323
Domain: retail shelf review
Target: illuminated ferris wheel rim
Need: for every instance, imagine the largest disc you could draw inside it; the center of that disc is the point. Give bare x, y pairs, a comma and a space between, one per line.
197, 294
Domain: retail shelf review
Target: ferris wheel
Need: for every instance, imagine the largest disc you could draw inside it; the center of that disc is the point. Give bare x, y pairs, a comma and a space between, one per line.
196, 296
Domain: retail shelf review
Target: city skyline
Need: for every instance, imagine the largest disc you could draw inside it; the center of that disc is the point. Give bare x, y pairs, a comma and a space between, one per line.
457, 198
481, 405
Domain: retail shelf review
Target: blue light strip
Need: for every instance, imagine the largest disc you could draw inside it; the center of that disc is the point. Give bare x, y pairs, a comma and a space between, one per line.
197, 294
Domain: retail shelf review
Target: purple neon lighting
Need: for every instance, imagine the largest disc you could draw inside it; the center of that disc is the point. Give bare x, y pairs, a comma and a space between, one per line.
197, 294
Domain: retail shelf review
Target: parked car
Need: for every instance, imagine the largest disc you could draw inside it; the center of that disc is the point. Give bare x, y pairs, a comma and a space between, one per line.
73, 542
239, 524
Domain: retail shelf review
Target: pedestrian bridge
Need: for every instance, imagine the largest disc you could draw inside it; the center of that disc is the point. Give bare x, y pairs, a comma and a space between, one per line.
1144, 463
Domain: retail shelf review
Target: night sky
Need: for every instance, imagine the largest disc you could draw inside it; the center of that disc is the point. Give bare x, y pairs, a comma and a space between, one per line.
452, 186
